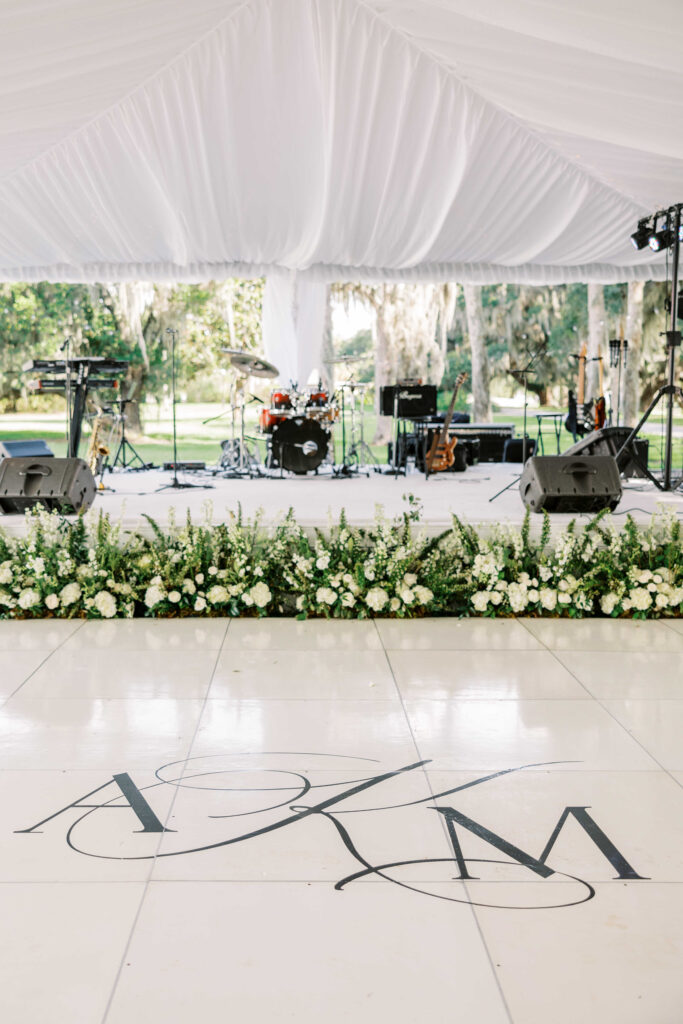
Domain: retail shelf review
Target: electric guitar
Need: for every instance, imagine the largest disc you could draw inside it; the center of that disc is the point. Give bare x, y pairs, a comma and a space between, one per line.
440, 455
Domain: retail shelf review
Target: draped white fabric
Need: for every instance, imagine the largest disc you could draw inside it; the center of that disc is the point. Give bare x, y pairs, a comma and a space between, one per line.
293, 325
509, 140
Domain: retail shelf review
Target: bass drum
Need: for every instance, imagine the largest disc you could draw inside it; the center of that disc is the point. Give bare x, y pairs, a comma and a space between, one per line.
299, 445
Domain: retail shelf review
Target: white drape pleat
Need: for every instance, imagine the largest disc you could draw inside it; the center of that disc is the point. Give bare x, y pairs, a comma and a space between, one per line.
337, 139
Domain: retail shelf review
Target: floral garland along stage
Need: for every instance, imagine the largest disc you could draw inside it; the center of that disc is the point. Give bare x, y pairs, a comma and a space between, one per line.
91, 568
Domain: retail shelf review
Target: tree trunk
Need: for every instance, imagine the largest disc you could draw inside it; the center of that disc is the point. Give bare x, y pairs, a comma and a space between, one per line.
596, 334
383, 374
481, 379
630, 374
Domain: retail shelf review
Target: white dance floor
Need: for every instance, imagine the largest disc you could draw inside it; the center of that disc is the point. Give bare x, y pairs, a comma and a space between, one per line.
437, 820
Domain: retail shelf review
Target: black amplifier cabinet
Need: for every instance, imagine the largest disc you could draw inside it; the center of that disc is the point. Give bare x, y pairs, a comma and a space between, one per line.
491, 437
64, 484
570, 483
414, 400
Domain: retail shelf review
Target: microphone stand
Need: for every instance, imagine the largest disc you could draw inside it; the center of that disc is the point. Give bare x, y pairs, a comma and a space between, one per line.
523, 375
176, 484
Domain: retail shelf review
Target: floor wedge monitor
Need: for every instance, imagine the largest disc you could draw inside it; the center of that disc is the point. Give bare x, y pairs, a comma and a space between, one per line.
64, 484
570, 483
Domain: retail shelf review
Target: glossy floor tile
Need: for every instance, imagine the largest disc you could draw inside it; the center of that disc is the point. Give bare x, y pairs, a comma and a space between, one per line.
296, 675
311, 635
574, 735
470, 820
656, 724
456, 635
182, 674
604, 635
499, 675
638, 674
292, 951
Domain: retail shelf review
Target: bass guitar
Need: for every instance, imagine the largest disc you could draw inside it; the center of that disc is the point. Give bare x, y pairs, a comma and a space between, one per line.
440, 455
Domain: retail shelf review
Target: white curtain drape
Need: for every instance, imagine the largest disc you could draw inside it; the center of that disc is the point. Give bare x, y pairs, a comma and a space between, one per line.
338, 139
293, 326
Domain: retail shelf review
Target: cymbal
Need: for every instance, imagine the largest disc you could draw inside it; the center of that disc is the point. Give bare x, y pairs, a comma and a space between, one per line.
249, 364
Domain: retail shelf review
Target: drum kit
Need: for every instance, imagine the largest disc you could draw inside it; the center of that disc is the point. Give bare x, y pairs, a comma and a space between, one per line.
296, 425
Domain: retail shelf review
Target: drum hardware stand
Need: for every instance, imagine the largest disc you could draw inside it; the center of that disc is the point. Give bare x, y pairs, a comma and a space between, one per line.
176, 484
125, 445
618, 352
523, 375
670, 390
358, 448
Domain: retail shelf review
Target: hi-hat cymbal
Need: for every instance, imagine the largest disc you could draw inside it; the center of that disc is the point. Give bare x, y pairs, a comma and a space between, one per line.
249, 364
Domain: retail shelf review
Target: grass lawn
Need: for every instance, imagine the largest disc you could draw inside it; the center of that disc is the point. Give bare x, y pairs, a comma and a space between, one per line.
200, 440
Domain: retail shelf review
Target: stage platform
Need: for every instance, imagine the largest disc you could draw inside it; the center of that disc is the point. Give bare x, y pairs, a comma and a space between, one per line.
316, 499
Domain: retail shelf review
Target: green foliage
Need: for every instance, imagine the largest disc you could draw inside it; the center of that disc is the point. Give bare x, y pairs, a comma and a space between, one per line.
89, 568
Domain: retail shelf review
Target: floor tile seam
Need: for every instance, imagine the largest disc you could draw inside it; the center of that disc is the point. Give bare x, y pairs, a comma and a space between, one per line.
663, 768
444, 831
52, 651
153, 861
613, 882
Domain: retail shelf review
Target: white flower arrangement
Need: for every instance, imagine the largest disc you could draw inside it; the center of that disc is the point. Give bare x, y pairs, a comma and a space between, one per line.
89, 569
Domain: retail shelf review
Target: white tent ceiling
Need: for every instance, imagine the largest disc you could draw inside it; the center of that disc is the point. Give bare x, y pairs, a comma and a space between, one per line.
502, 140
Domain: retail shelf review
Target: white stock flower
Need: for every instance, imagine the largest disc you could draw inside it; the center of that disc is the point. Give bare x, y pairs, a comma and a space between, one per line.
517, 596
376, 598
189, 587
260, 594
52, 602
324, 595
105, 604
38, 566
153, 595
28, 598
5, 573
70, 594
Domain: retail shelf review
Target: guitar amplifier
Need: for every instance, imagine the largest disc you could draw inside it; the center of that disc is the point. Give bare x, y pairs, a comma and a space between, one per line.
17, 449
414, 400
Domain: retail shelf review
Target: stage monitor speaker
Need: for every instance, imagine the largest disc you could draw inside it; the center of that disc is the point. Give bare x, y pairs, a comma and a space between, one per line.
574, 484
17, 449
608, 441
63, 484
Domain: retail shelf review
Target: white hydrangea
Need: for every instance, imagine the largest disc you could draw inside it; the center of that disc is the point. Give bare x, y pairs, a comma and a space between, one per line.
322, 562
105, 604
480, 601
217, 594
495, 596
376, 598
548, 598
325, 595
38, 566
394, 604
70, 594
410, 579
28, 598
369, 572
174, 596
6, 572
154, 594
640, 598
189, 587
608, 603
423, 595
260, 594
407, 595
518, 597
199, 578
348, 600
51, 602
564, 598
200, 604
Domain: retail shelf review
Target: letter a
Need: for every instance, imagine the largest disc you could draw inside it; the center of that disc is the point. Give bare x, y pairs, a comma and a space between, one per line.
134, 797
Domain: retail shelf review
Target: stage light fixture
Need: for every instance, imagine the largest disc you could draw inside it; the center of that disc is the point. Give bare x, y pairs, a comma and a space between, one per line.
641, 236
663, 238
